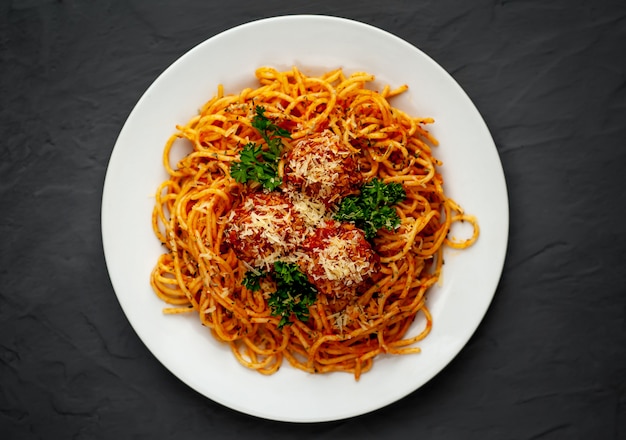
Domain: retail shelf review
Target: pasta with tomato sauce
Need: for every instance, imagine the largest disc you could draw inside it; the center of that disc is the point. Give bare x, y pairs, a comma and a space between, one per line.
307, 223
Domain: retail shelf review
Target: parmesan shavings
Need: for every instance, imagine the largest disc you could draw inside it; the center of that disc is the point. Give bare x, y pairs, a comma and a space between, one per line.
339, 264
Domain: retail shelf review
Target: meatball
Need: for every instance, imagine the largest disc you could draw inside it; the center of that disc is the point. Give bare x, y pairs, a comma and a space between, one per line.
323, 168
263, 229
340, 259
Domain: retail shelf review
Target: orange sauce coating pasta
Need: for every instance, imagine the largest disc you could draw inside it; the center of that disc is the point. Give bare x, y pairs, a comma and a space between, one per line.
201, 273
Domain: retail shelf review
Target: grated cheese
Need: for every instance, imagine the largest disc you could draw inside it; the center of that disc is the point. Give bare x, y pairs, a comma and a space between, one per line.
268, 227
339, 264
318, 163
313, 213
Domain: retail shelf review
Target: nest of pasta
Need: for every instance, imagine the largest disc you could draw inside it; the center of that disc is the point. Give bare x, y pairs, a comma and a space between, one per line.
307, 223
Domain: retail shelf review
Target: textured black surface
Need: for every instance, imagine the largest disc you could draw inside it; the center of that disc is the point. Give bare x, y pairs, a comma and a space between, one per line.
549, 359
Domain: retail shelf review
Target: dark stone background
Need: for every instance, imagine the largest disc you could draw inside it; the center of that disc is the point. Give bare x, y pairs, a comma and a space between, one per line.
547, 362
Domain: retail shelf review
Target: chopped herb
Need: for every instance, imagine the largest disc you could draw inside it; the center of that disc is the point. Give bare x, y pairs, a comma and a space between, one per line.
252, 280
268, 129
373, 208
294, 294
259, 164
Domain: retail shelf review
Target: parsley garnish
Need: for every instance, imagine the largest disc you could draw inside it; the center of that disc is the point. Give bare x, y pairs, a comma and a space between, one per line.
373, 208
269, 131
255, 162
257, 165
252, 280
293, 296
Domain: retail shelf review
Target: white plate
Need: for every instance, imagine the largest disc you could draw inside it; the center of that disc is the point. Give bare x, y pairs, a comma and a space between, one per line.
472, 172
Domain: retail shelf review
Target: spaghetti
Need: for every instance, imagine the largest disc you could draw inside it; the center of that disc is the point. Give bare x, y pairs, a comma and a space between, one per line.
217, 230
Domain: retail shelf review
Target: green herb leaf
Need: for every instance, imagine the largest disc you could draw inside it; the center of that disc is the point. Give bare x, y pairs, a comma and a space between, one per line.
294, 294
373, 208
252, 280
258, 164
266, 126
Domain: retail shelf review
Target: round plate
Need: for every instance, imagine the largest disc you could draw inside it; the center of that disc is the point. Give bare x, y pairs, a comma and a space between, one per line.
473, 177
